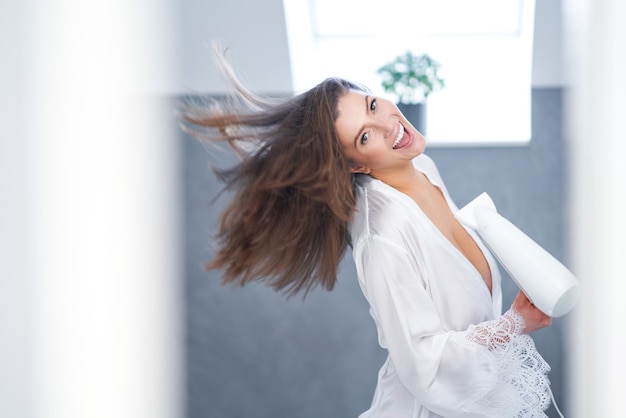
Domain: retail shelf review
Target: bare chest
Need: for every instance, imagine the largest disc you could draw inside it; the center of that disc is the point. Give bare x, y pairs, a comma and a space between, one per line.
432, 202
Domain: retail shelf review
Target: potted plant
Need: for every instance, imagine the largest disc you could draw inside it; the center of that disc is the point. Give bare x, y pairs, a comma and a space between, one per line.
411, 78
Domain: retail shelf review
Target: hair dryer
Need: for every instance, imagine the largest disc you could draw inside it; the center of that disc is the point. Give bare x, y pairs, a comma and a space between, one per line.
549, 285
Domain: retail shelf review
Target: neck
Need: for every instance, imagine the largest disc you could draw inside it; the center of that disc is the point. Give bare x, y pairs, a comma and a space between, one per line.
402, 179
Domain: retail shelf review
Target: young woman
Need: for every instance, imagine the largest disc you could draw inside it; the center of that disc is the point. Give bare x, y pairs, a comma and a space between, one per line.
337, 166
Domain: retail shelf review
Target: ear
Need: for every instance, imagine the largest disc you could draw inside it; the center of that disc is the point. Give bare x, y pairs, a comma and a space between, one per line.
357, 168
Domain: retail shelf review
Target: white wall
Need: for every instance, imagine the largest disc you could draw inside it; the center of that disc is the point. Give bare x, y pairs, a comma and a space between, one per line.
257, 35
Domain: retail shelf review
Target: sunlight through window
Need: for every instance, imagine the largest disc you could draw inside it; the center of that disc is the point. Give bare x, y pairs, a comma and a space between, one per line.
484, 47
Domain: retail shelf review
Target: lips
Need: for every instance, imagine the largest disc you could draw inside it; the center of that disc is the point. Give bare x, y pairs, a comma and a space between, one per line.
402, 139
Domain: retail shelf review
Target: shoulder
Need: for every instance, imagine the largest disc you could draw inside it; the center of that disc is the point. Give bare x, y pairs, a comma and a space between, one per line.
381, 211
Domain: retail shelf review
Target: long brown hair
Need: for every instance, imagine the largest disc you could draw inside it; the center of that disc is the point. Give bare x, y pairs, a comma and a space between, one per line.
287, 224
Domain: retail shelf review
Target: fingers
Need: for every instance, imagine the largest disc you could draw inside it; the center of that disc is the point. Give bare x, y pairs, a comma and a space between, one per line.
534, 319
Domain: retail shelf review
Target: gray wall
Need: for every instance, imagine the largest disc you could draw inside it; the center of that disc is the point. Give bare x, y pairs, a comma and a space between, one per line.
254, 31
252, 353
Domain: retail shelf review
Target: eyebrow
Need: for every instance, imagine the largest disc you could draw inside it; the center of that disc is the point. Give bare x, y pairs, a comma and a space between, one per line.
356, 138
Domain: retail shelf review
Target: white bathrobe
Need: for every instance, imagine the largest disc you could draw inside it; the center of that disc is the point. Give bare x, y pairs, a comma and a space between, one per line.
451, 352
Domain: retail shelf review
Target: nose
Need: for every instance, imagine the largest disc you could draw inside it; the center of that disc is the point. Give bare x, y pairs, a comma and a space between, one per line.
388, 126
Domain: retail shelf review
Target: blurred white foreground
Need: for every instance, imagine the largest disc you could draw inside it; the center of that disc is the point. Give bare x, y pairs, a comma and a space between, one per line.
90, 316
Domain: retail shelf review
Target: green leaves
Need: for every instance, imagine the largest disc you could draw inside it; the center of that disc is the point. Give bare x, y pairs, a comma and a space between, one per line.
411, 78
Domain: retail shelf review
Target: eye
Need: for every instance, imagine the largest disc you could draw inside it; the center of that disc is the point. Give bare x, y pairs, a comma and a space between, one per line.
364, 138
373, 105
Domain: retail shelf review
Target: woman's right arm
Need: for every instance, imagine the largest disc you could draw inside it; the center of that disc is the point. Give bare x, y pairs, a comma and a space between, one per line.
452, 373
522, 318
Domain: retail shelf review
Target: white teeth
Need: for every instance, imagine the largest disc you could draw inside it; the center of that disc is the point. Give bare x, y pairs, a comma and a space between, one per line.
399, 137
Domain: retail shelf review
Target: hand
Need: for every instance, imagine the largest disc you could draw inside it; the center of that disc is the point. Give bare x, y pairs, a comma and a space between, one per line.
534, 319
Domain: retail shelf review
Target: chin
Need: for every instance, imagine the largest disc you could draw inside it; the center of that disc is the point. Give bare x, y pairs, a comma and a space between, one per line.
419, 142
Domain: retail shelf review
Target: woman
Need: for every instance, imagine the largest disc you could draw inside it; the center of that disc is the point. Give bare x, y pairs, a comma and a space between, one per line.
336, 166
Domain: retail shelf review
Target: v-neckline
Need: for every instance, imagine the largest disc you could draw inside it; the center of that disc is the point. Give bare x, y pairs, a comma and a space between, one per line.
442, 237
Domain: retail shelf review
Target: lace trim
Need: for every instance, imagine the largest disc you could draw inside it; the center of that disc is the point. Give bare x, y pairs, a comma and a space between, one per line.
522, 388
499, 332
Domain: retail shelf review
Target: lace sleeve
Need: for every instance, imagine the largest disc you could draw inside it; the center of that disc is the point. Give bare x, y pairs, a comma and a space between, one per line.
498, 332
523, 388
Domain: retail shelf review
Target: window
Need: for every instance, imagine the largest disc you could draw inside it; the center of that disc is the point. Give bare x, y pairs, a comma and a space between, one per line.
484, 46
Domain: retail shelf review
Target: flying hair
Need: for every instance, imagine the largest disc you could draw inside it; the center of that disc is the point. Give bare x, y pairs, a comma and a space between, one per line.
292, 191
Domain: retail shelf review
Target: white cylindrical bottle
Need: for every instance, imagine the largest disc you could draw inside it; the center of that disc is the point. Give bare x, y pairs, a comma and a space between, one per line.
549, 285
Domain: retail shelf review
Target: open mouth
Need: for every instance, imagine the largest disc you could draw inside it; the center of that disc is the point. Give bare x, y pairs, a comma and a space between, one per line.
402, 139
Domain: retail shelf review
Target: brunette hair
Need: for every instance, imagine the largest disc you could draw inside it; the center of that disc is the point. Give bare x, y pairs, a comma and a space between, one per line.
287, 223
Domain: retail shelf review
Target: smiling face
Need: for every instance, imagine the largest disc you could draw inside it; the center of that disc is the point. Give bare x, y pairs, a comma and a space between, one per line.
376, 137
